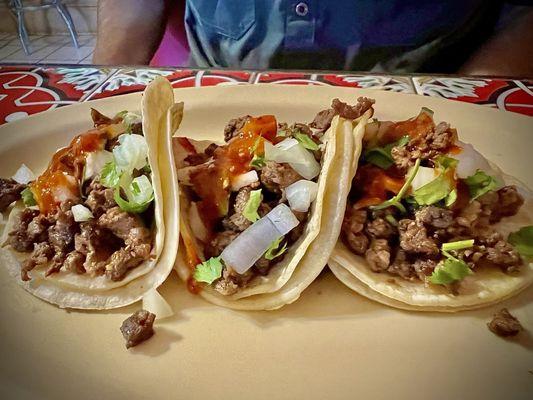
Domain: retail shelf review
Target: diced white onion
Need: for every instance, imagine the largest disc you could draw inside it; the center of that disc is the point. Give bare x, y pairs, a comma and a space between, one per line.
156, 304
131, 153
301, 194
423, 177
243, 180
81, 213
298, 157
131, 118
470, 160
250, 245
197, 225
24, 175
94, 163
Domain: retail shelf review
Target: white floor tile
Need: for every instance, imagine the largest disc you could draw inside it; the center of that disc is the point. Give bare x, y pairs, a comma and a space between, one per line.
87, 40
7, 51
35, 56
69, 54
48, 40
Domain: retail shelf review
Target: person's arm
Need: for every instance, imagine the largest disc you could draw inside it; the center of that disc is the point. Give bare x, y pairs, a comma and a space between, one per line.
507, 53
129, 31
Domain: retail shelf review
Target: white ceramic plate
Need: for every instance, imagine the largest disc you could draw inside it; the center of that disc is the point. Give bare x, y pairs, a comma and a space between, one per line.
330, 344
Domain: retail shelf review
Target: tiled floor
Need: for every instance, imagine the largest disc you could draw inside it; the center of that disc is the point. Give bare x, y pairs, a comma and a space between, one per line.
47, 49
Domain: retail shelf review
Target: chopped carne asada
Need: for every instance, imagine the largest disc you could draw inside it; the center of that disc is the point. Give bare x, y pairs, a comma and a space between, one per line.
504, 324
138, 327
419, 208
251, 198
93, 206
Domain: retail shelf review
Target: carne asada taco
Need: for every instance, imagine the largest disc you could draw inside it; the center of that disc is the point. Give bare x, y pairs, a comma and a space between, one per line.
430, 224
89, 231
260, 212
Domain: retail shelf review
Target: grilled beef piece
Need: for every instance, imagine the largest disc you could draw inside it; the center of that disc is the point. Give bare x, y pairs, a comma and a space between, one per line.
424, 267
503, 255
380, 228
9, 192
275, 176
230, 282
414, 238
323, 119
99, 198
352, 226
509, 202
74, 262
219, 243
138, 328
434, 217
96, 244
424, 146
61, 236
401, 266
378, 255
42, 253
19, 238
136, 237
234, 126
200, 158
504, 324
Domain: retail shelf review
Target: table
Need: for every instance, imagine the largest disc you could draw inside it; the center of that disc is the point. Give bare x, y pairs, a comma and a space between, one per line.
26, 89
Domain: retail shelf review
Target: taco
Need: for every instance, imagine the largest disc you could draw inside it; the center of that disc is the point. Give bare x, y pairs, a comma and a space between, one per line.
260, 212
430, 224
89, 231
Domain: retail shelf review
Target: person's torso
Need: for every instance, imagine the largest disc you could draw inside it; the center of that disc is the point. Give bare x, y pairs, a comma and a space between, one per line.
325, 34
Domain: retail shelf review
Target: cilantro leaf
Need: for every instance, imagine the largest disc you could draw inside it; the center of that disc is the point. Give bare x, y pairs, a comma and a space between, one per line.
396, 200
522, 240
446, 162
273, 250
381, 156
208, 271
449, 271
258, 162
451, 198
252, 205
480, 183
27, 197
306, 141
110, 175
457, 245
434, 191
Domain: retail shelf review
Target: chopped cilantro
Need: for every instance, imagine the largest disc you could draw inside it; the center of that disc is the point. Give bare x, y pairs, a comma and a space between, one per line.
257, 162
458, 245
449, 271
110, 175
480, 183
27, 197
306, 141
273, 250
208, 271
434, 191
252, 205
381, 156
446, 162
522, 240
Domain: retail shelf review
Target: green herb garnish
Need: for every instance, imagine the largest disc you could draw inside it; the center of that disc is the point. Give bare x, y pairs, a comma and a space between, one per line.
522, 240
208, 271
381, 156
252, 205
306, 141
27, 197
480, 183
273, 251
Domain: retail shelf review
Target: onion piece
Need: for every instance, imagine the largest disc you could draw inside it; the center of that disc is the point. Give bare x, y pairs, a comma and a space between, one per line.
292, 152
250, 245
24, 175
301, 194
243, 180
156, 304
81, 213
470, 160
423, 177
197, 225
94, 163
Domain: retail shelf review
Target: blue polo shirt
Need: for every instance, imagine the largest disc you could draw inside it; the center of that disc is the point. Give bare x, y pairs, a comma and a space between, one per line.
375, 35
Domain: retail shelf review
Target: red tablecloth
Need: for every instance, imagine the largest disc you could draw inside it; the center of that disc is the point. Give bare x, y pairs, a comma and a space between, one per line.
26, 90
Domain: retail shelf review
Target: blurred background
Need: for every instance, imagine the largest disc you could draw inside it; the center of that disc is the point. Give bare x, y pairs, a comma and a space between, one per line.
468, 36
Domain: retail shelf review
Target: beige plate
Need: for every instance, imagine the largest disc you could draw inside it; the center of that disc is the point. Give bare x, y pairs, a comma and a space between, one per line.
330, 344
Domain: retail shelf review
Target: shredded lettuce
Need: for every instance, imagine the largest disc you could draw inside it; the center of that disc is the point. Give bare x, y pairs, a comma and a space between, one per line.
27, 197
306, 141
522, 240
208, 271
381, 156
434, 191
480, 183
274, 251
396, 200
252, 205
